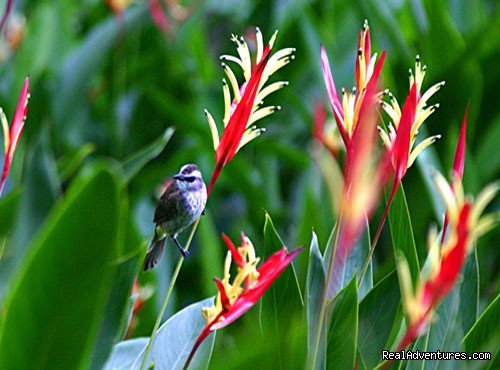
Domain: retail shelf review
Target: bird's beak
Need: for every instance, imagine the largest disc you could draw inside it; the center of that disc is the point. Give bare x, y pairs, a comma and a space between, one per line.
179, 177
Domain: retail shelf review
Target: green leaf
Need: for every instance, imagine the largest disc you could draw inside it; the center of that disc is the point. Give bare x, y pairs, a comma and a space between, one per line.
8, 206
210, 252
484, 335
402, 233
124, 354
377, 312
116, 314
41, 187
343, 329
445, 331
177, 336
469, 292
70, 163
354, 265
81, 64
284, 298
440, 23
135, 162
427, 163
57, 300
46, 28
487, 151
273, 240
316, 326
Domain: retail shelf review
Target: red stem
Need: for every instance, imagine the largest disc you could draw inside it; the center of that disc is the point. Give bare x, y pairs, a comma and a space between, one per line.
205, 333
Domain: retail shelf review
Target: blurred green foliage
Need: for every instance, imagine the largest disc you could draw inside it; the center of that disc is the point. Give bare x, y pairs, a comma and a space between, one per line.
106, 88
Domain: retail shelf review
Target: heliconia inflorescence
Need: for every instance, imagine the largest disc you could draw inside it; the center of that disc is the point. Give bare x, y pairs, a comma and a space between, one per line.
13, 134
446, 259
243, 103
250, 283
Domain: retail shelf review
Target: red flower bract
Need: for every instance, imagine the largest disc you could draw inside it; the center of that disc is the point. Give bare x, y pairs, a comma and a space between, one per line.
243, 102
13, 134
459, 161
457, 172
231, 138
255, 283
436, 288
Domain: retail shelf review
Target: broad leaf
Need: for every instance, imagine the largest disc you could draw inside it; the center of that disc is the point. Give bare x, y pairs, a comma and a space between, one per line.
284, 298
210, 252
125, 353
469, 292
484, 335
343, 328
445, 331
354, 265
402, 233
315, 293
57, 300
8, 206
70, 163
377, 312
135, 162
40, 189
428, 162
176, 338
115, 322
273, 242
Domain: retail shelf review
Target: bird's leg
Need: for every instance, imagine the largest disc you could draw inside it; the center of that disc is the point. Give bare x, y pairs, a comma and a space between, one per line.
183, 251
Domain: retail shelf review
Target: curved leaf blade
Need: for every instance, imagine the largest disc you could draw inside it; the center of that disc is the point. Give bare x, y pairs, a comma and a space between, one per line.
124, 354
176, 338
482, 336
316, 281
343, 329
402, 237
377, 313
57, 300
135, 162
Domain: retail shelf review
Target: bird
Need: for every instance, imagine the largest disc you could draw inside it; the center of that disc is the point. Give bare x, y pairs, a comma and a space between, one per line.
182, 203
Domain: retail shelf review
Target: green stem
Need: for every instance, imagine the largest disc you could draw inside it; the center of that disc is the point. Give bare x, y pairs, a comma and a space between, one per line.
173, 279
381, 223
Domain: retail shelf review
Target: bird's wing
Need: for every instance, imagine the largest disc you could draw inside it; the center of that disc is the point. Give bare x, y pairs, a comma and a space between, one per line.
167, 205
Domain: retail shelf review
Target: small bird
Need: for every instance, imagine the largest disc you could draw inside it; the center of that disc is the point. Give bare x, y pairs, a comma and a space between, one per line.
182, 202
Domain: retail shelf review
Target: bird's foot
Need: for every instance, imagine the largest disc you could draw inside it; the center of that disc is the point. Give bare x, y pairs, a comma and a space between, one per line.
184, 252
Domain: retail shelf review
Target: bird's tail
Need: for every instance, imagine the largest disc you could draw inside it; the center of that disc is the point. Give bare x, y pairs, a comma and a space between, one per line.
154, 252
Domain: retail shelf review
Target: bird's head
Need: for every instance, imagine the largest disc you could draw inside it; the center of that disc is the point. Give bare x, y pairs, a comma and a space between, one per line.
190, 177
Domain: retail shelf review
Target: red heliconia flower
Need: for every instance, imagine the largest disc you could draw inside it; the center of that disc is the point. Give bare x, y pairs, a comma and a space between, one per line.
249, 285
398, 153
325, 131
12, 135
365, 172
168, 14
364, 178
457, 172
446, 259
400, 136
459, 161
367, 73
245, 108
158, 16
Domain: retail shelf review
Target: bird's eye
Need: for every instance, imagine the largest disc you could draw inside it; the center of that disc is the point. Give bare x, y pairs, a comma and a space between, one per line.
189, 178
